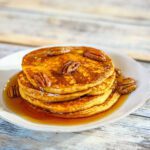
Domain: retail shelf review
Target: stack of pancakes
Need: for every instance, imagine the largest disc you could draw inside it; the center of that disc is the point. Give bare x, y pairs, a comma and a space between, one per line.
68, 82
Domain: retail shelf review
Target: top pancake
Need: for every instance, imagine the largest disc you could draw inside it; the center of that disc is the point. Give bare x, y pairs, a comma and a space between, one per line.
50, 61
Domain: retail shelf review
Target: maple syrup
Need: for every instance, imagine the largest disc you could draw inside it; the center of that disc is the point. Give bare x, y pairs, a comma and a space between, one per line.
26, 111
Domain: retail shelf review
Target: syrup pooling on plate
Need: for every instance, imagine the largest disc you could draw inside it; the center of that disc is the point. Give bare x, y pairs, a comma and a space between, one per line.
36, 115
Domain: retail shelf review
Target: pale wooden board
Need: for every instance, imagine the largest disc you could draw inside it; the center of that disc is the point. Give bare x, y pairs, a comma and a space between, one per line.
132, 132
115, 10
30, 27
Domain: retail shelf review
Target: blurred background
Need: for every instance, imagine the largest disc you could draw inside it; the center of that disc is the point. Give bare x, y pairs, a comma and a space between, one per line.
120, 25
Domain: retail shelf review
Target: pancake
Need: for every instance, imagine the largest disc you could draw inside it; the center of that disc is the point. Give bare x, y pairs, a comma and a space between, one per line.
93, 110
28, 88
49, 62
104, 86
69, 106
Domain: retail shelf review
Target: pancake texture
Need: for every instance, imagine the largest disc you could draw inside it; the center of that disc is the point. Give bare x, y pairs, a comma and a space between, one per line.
69, 106
93, 110
104, 86
29, 90
50, 61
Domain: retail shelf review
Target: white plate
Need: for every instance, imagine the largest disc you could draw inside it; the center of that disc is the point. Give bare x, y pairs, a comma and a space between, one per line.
11, 64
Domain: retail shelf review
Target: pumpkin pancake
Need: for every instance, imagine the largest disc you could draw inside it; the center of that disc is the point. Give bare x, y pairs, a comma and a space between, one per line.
28, 88
68, 106
64, 70
104, 86
93, 110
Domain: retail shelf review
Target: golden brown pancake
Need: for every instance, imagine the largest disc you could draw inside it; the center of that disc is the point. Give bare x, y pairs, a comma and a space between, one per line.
93, 110
82, 103
104, 86
50, 61
28, 88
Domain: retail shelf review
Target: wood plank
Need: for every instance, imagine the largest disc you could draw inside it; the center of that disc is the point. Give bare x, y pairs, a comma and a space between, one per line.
110, 9
143, 56
39, 29
26, 40
7, 49
129, 133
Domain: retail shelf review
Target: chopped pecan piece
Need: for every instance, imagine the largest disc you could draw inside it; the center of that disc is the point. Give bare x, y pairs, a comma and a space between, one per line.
13, 91
126, 86
42, 79
95, 55
58, 51
118, 72
119, 75
114, 86
70, 67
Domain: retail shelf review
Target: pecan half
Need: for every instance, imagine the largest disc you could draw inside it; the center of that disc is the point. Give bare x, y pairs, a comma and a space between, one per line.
126, 86
58, 51
42, 79
13, 91
95, 55
70, 67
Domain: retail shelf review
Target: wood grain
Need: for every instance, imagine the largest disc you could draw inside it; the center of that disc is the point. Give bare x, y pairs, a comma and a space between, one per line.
110, 9
142, 56
44, 28
25, 40
129, 133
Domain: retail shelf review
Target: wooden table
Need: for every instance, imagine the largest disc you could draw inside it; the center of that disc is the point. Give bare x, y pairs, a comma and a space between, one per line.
120, 25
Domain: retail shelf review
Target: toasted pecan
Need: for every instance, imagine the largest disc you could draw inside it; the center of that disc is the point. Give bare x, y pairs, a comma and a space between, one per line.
42, 79
126, 86
13, 91
58, 51
70, 67
95, 55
